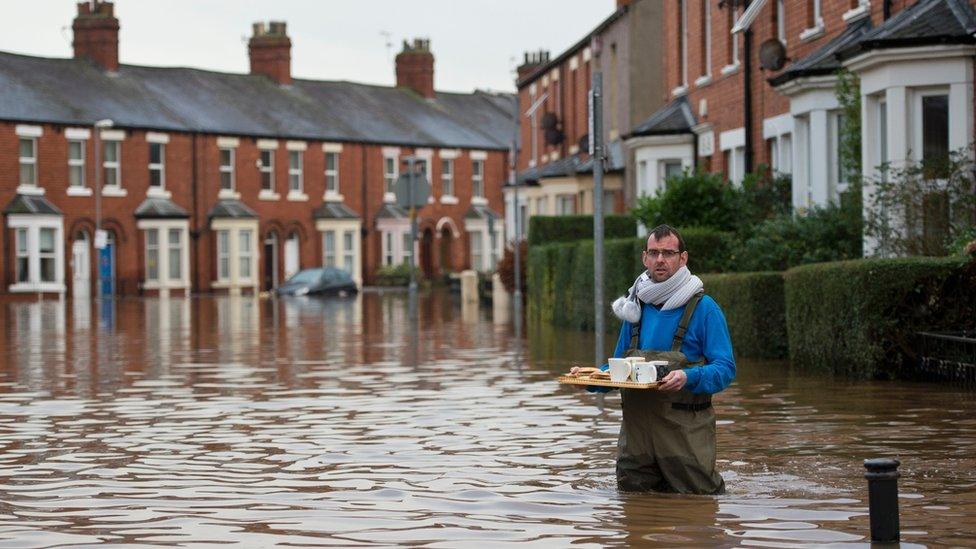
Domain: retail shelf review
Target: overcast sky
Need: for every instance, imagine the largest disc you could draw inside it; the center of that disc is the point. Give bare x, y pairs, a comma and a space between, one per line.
476, 43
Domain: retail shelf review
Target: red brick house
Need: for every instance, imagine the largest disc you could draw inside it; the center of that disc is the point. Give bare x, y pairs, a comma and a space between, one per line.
231, 182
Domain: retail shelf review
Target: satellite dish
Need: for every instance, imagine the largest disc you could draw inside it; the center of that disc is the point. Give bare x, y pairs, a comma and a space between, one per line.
549, 120
554, 136
772, 54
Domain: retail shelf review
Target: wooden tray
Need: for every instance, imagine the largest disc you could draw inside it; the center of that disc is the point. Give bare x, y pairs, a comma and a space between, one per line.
573, 380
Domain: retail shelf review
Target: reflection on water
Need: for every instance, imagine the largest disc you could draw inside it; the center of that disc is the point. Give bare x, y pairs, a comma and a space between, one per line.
340, 422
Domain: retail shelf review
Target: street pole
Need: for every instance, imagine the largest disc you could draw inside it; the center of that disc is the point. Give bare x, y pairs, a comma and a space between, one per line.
96, 129
413, 232
517, 294
596, 113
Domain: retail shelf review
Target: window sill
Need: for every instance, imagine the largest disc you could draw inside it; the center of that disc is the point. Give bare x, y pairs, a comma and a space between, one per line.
228, 194
679, 91
857, 13
449, 199
166, 285
730, 69
79, 191
34, 287
332, 196
222, 284
268, 195
115, 192
703, 81
389, 198
297, 196
32, 190
430, 199
812, 33
154, 192
479, 201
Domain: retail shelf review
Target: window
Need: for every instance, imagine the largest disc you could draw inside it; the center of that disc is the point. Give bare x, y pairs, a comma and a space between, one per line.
683, 41
152, 254
295, 171
332, 172
76, 163
407, 247
328, 249
23, 256
223, 255
478, 178
244, 253
814, 17
447, 177
267, 170
157, 165
565, 204
46, 254
735, 164
476, 251
671, 168
348, 252
28, 161
706, 36
390, 173
227, 169
110, 164
175, 254
883, 132
935, 135
493, 251
732, 39
388, 248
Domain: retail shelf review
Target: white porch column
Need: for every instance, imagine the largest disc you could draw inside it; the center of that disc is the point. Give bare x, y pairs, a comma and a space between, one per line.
801, 163
819, 159
961, 117
899, 125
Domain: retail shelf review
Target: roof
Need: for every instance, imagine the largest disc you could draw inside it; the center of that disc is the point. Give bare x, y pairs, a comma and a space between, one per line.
160, 208
334, 210
391, 211
542, 69
572, 165
824, 60
234, 209
25, 204
927, 22
75, 91
481, 212
675, 117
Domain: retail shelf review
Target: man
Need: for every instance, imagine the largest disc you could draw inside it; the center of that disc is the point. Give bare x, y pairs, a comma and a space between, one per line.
667, 437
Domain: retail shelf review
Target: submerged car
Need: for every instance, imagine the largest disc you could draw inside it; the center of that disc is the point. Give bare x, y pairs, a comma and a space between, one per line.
324, 280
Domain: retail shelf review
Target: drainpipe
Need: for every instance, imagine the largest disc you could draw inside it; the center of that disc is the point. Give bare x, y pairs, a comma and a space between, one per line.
747, 96
363, 215
194, 218
886, 9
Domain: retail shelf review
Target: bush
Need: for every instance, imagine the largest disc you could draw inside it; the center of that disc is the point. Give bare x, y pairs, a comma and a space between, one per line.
569, 228
394, 275
694, 199
755, 311
506, 266
858, 318
709, 250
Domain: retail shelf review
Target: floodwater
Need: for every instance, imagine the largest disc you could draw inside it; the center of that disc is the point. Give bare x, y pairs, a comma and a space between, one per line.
338, 422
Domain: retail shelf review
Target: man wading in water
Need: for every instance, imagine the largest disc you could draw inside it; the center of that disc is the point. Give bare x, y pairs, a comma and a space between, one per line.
667, 437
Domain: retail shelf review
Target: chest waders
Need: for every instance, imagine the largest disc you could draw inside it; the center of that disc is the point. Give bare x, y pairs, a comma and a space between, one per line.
667, 439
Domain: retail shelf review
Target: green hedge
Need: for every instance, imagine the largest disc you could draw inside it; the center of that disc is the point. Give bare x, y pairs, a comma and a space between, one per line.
857, 318
709, 250
755, 311
570, 228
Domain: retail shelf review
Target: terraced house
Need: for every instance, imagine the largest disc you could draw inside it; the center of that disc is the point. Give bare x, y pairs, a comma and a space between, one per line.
752, 83
209, 181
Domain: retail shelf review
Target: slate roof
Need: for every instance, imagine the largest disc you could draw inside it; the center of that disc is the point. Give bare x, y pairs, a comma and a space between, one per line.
926, 22
481, 212
824, 60
578, 163
334, 210
70, 91
674, 118
392, 211
160, 208
25, 204
234, 209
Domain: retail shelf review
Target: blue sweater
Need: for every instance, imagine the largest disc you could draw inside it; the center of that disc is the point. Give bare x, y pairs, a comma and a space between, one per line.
707, 336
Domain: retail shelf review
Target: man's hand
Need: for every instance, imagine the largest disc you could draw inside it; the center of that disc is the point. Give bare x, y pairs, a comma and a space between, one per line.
573, 370
674, 381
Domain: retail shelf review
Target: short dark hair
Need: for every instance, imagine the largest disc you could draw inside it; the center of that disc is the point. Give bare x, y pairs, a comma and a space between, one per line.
662, 231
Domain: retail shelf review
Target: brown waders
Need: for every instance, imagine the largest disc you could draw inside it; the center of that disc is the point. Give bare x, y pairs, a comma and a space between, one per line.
667, 440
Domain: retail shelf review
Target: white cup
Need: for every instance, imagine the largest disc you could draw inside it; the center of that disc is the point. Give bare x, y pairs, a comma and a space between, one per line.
635, 359
620, 369
645, 372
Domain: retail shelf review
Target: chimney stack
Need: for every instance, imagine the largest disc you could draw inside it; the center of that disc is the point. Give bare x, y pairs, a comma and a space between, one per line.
96, 34
624, 3
531, 62
415, 67
270, 51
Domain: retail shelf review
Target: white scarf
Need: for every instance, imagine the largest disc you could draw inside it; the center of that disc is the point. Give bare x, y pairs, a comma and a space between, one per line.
670, 294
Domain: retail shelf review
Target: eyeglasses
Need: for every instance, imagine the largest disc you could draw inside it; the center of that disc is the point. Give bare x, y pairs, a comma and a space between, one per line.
666, 254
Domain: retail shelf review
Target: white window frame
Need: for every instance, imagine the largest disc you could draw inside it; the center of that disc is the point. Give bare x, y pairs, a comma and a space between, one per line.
329, 254
781, 21
22, 253
447, 177
707, 76
30, 161
152, 252
112, 165
817, 29
390, 177
77, 164
158, 166
32, 225
227, 169
178, 248
267, 169
223, 254
346, 246
296, 173
683, 34
332, 174
349, 251
245, 254
162, 228
477, 250
918, 96
478, 178
387, 248
407, 247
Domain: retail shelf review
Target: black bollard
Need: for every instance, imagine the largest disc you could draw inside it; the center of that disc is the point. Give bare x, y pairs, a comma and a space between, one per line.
882, 478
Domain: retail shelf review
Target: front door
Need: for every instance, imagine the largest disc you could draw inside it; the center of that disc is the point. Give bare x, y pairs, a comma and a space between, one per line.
106, 269
270, 262
81, 267
291, 256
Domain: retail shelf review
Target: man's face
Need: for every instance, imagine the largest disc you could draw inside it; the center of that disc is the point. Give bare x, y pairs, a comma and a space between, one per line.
662, 259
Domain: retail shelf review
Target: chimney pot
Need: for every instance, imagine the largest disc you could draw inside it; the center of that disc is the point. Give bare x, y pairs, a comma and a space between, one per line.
415, 67
96, 34
269, 50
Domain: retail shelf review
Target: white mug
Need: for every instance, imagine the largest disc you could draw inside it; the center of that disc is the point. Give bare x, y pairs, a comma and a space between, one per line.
620, 369
645, 372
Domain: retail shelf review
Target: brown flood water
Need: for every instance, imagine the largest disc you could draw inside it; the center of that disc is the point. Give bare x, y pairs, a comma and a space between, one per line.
333, 422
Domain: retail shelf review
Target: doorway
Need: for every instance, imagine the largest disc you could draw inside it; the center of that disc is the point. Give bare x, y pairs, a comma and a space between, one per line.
447, 240
81, 266
427, 253
106, 267
270, 261
292, 263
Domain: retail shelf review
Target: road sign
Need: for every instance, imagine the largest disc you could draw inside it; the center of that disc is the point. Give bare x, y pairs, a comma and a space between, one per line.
421, 191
